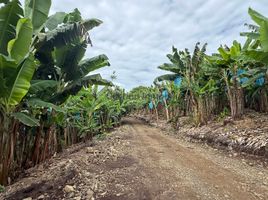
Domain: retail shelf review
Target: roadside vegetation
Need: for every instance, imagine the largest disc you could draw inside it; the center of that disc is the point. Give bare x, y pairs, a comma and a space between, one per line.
47, 97
50, 97
229, 81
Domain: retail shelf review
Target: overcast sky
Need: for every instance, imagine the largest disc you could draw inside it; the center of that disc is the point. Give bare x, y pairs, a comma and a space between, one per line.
137, 34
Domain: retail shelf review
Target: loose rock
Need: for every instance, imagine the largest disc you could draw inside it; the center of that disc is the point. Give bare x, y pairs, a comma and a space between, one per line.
68, 189
90, 194
28, 198
41, 197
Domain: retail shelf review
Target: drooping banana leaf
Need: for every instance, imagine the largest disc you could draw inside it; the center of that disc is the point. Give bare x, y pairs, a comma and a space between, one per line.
38, 103
19, 82
175, 58
26, 119
196, 54
91, 64
95, 79
54, 20
166, 77
41, 85
76, 86
170, 67
264, 36
19, 47
10, 13
7, 67
68, 57
4, 1
258, 56
61, 36
246, 45
72, 17
91, 23
37, 11
250, 35
257, 17
225, 54
66, 34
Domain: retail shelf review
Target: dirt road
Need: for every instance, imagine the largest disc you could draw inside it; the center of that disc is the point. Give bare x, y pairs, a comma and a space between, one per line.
141, 162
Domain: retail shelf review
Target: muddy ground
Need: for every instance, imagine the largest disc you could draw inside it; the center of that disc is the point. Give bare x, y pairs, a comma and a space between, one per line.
138, 161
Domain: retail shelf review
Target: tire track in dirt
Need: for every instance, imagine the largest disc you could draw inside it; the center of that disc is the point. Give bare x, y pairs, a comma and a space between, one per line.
172, 171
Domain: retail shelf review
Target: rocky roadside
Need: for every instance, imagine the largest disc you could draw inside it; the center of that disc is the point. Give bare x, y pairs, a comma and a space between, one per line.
79, 173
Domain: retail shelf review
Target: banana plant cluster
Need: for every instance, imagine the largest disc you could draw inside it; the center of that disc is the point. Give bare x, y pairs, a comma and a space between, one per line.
143, 100
94, 111
41, 64
234, 78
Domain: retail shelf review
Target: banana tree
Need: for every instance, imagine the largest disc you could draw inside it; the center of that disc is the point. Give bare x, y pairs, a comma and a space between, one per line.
17, 66
188, 67
60, 52
177, 67
61, 71
176, 100
258, 52
19, 52
93, 111
231, 66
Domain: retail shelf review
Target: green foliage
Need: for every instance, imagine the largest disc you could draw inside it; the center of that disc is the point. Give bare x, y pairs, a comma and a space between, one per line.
19, 47
47, 85
94, 111
72, 17
41, 65
41, 85
2, 188
257, 17
55, 20
10, 13
38, 103
37, 11
232, 74
263, 35
223, 114
16, 80
26, 119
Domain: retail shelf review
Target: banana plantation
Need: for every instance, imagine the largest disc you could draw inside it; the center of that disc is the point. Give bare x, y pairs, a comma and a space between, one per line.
203, 86
52, 98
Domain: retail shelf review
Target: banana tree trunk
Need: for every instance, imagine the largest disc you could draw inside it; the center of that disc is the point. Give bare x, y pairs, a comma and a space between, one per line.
156, 112
37, 144
264, 96
12, 145
5, 149
236, 98
263, 100
166, 109
45, 152
202, 111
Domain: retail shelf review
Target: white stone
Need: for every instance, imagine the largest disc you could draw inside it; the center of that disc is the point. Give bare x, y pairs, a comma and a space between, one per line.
90, 194
28, 198
41, 197
68, 188
89, 150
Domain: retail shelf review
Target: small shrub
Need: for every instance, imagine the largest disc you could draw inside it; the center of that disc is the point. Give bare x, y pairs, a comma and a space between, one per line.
2, 188
223, 114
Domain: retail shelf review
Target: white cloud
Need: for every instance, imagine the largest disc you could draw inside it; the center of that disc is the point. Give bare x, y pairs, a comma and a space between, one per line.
137, 34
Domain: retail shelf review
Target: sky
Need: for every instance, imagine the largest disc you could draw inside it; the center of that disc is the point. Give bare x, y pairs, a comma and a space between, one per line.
137, 34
